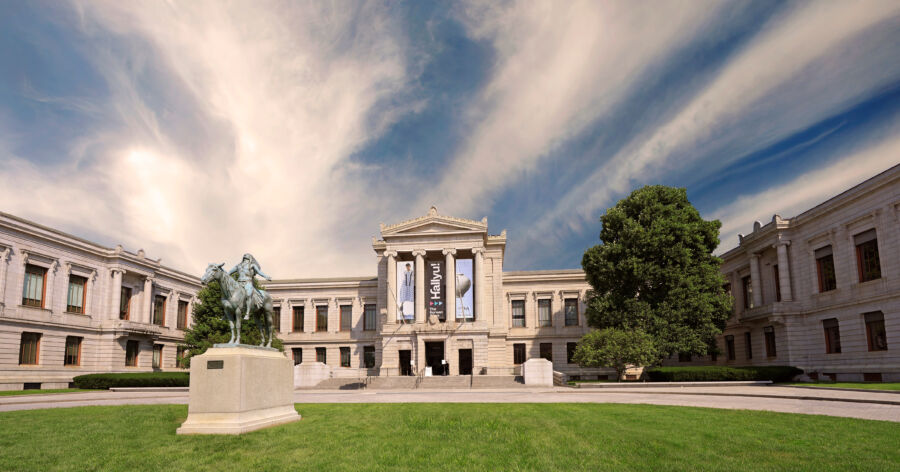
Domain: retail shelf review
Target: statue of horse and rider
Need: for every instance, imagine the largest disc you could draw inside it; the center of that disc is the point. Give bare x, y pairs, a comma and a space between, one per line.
240, 299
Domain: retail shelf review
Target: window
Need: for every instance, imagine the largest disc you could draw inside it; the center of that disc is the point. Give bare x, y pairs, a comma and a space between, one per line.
747, 288
825, 269
832, 336
518, 313
345, 357
369, 356
684, 357
322, 318
157, 356
369, 317
777, 283
276, 318
518, 353
34, 289
320, 355
182, 314
570, 352
131, 353
547, 351
125, 303
298, 319
875, 332
73, 351
544, 313
180, 357
571, 309
867, 256
297, 354
159, 310
346, 317
727, 289
30, 349
729, 347
748, 345
769, 333
75, 298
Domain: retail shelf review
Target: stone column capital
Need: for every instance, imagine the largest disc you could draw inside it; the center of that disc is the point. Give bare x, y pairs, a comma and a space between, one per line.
477, 250
117, 270
418, 252
390, 253
449, 251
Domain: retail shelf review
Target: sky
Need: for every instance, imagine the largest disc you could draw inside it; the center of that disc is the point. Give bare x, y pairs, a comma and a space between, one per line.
201, 130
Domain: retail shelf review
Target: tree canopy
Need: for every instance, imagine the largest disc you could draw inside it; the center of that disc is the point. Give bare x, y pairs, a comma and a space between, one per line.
616, 348
654, 271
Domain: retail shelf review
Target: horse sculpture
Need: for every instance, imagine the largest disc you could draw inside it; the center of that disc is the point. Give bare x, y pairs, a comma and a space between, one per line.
234, 304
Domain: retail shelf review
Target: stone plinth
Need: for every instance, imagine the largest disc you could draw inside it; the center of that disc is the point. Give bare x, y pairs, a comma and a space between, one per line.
309, 374
538, 372
239, 389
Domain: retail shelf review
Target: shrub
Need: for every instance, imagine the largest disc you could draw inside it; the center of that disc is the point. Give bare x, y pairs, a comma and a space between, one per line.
719, 373
137, 379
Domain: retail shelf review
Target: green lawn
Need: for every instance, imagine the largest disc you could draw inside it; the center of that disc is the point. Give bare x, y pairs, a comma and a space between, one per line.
451, 437
6, 393
864, 385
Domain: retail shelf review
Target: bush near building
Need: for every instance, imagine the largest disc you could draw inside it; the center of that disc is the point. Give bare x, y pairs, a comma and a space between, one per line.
137, 379
719, 373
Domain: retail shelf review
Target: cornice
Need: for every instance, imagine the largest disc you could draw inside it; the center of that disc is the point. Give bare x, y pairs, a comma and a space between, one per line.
433, 217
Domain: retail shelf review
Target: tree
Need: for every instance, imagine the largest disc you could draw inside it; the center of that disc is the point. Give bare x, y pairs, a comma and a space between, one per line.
210, 327
654, 271
616, 348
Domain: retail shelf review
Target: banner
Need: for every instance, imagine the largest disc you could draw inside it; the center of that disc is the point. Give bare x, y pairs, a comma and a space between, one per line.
406, 291
435, 289
465, 287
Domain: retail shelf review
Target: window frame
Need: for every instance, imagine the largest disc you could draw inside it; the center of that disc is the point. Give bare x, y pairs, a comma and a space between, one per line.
519, 353
179, 356
549, 352
321, 315
729, 347
832, 329
570, 352
66, 357
74, 308
521, 318
36, 339
322, 353
346, 317
370, 325
546, 305
367, 351
825, 260
34, 270
870, 325
276, 318
181, 316
157, 361
569, 303
136, 351
747, 289
126, 301
771, 347
345, 356
868, 266
158, 317
297, 355
297, 323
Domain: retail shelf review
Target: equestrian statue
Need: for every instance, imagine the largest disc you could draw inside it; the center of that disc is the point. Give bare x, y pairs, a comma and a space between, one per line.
240, 299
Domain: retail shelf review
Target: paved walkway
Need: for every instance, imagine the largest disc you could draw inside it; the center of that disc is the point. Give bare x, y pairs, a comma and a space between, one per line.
866, 405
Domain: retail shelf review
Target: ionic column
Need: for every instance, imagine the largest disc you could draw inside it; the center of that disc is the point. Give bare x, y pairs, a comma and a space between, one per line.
4, 259
754, 280
116, 300
450, 271
784, 271
51, 272
88, 292
479, 281
146, 315
420, 285
391, 286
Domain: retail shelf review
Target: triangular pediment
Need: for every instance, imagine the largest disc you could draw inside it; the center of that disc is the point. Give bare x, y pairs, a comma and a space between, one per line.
434, 223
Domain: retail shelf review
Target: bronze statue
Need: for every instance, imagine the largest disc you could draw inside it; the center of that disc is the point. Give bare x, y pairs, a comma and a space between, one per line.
240, 297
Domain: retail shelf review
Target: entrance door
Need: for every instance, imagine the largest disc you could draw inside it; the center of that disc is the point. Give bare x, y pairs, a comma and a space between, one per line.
405, 358
434, 354
465, 362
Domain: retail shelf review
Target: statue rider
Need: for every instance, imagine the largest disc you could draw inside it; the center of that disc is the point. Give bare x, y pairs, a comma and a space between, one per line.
246, 270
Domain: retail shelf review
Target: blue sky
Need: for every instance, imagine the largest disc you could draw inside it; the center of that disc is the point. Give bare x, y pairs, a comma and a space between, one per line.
201, 130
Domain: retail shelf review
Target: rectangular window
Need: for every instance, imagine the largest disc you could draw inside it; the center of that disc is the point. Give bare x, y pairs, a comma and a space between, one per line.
777, 283
867, 256
748, 345
769, 332
747, 288
297, 354
825, 269
518, 313
875, 332
182, 314
369, 323
159, 310
571, 308
180, 357
320, 355
369, 356
75, 297
30, 349
322, 318
729, 347
544, 313
547, 351
518, 353
157, 356
570, 352
832, 336
298, 319
125, 303
345, 357
132, 348
34, 288
73, 351
346, 317
276, 318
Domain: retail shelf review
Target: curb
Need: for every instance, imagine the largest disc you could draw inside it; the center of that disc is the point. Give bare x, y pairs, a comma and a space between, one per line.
839, 389
735, 383
759, 395
150, 389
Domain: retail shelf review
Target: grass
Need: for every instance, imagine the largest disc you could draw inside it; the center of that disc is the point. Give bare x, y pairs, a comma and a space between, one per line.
451, 437
862, 385
7, 393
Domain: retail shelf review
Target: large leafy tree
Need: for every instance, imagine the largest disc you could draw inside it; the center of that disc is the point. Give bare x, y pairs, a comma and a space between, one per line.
210, 327
616, 348
654, 271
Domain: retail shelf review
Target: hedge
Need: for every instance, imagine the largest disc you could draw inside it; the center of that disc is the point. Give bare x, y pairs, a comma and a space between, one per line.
137, 379
714, 373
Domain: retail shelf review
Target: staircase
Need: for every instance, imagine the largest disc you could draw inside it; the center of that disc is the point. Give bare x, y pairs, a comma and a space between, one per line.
453, 382
450, 381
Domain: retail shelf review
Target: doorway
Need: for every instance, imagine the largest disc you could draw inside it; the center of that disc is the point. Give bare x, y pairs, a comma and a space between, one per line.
465, 362
434, 354
405, 358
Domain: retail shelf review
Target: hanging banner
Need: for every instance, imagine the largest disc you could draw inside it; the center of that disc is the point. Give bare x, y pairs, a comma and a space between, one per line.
434, 295
465, 287
406, 291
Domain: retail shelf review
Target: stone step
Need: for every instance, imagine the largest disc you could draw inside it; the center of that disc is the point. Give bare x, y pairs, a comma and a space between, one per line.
392, 383
497, 381
449, 381
340, 384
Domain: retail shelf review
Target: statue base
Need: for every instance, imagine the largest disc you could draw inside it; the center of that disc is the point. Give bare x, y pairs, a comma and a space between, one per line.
239, 389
